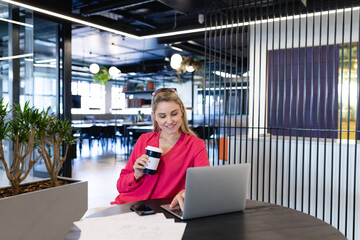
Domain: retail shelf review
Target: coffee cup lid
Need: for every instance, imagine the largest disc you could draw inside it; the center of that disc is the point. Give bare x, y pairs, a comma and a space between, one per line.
155, 149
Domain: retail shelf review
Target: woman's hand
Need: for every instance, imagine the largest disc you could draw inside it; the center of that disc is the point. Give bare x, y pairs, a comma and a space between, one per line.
140, 165
178, 200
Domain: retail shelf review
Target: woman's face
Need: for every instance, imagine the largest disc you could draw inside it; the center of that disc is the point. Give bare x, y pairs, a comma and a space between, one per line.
168, 116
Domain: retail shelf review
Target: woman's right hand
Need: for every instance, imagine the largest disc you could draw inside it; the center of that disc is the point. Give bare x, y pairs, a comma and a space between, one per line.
139, 165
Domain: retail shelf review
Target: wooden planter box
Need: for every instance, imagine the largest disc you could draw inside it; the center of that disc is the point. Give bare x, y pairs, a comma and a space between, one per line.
43, 214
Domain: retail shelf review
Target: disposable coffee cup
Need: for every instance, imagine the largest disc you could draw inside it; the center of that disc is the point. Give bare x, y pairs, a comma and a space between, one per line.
154, 154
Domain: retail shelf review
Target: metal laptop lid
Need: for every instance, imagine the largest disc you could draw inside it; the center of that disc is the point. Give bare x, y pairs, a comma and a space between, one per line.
215, 190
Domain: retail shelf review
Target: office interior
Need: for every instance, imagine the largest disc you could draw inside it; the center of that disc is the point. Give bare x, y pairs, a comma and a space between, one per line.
277, 86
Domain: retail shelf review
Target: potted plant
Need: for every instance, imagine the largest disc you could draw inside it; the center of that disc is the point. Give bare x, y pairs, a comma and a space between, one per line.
21, 131
46, 213
52, 134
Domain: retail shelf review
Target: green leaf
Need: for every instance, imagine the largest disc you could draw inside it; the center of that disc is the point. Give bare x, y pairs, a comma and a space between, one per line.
24, 121
4, 126
102, 76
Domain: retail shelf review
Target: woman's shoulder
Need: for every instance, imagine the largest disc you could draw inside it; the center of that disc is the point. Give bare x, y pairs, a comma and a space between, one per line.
148, 136
145, 139
193, 139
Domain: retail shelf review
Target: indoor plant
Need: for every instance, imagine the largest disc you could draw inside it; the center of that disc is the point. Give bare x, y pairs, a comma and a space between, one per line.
102, 76
195, 63
42, 214
21, 130
51, 135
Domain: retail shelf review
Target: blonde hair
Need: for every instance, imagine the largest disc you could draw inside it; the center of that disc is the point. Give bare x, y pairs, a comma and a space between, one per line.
169, 95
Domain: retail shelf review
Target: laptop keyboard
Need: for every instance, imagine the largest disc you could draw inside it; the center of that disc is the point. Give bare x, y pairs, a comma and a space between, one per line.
177, 211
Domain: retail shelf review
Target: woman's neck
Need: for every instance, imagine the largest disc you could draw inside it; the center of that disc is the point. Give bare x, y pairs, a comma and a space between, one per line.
170, 137
167, 142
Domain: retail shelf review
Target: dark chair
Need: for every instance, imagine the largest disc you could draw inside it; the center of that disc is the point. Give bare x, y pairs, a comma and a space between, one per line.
108, 133
82, 134
120, 132
134, 137
94, 134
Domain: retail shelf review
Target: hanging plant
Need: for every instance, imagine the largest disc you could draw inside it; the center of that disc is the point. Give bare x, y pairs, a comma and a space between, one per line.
102, 76
188, 61
196, 63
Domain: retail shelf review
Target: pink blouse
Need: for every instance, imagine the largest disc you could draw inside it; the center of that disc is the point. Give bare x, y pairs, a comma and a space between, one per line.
169, 179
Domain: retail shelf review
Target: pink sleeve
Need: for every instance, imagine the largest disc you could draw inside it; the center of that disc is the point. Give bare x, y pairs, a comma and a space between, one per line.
201, 157
126, 181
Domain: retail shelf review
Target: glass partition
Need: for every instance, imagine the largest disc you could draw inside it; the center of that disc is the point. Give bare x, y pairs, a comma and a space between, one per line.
46, 78
16, 58
30, 68
46, 65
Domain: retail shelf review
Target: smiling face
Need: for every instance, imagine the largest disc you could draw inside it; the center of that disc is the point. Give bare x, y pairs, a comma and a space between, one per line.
168, 116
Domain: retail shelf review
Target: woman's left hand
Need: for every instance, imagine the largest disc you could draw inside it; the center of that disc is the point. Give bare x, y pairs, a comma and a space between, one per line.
178, 200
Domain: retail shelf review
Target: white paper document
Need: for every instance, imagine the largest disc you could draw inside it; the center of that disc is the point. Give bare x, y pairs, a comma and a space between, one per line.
130, 226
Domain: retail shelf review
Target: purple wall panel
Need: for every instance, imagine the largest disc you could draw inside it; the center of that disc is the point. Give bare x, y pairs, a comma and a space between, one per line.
282, 72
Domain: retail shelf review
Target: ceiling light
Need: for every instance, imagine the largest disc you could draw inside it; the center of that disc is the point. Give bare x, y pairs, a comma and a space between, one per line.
17, 56
189, 68
44, 65
94, 68
68, 18
242, 24
114, 72
175, 61
222, 88
174, 66
201, 18
226, 75
246, 74
16, 22
52, 60
167, 34
176, 48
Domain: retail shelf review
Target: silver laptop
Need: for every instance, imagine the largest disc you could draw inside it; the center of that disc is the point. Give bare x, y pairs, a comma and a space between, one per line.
213, 190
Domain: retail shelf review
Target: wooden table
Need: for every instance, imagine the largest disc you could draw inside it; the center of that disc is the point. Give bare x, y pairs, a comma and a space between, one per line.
259, 221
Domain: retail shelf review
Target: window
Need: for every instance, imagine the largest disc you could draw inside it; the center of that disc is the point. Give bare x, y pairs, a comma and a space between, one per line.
347, 89
92, 97
235, 97
118, 100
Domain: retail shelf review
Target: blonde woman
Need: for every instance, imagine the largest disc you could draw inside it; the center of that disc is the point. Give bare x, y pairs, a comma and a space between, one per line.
181, 150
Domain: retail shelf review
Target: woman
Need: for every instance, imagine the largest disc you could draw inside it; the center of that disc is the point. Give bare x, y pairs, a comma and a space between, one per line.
181, 150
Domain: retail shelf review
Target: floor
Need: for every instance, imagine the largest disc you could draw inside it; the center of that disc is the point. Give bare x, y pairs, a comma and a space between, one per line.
100, 167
